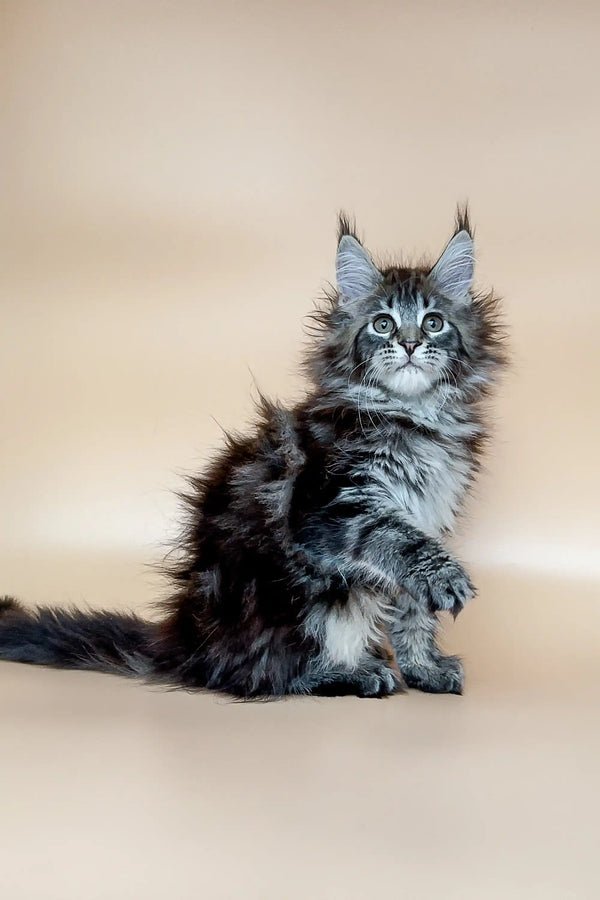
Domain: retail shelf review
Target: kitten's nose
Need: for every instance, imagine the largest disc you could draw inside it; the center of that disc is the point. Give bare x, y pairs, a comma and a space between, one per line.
410, 346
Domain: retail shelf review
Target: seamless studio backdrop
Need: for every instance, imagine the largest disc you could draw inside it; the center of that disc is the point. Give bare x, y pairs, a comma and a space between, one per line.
171, 177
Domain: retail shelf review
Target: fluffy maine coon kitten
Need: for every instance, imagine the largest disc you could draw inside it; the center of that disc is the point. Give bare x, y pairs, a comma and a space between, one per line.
314, 557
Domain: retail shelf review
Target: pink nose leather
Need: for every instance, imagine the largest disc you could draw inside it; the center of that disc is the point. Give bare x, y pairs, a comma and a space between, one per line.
410, 346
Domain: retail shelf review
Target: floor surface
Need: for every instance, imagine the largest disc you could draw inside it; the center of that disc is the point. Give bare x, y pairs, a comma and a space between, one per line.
114, 790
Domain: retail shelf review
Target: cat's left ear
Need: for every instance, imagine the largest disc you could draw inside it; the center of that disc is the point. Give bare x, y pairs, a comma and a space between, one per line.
452, 274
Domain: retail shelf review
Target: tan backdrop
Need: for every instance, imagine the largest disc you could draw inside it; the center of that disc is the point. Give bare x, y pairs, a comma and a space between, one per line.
171, 174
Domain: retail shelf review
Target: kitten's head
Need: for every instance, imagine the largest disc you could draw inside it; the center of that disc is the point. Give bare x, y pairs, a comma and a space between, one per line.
407, 333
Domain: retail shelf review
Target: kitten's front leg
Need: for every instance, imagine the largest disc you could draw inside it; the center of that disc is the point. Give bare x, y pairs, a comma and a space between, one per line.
412, 631
388, 551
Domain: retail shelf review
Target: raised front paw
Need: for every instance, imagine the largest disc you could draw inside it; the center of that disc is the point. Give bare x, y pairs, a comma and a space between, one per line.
444, 585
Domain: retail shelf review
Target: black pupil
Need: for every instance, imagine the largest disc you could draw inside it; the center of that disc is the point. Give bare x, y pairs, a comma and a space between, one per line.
383, 324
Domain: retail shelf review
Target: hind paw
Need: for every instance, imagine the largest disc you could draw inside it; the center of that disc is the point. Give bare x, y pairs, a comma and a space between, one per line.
383, 682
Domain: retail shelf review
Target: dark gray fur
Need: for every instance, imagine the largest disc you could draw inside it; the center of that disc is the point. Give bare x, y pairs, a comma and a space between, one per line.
314, 559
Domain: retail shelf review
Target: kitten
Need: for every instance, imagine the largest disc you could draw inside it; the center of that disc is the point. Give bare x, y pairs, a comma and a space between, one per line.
314, 557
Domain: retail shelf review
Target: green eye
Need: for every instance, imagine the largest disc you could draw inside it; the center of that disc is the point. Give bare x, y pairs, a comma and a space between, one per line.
383, 324
432, 323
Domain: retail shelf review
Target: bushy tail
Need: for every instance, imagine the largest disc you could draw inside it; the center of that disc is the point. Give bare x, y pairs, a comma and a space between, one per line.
70, 639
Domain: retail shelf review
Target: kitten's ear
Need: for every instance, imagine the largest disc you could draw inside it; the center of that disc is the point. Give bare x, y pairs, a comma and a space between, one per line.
453, 272
356, 274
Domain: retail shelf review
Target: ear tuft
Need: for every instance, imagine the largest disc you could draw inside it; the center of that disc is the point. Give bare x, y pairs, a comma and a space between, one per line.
346, 225
463, 219
356, 274
453, 272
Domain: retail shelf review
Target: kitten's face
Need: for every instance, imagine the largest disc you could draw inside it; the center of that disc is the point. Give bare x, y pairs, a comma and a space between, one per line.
410, 340
406, 330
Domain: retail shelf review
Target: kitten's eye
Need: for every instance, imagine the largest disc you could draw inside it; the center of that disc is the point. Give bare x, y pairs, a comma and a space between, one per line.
432, 323
383, 324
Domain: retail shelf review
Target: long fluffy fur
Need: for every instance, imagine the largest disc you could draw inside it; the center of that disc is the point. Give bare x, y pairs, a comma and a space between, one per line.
313, 559
72, 639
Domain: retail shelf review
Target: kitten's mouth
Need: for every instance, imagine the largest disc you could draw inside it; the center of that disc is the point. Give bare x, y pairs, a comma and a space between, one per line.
409, 364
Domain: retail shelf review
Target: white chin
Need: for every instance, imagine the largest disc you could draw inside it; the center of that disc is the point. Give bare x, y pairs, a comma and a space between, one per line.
409, 381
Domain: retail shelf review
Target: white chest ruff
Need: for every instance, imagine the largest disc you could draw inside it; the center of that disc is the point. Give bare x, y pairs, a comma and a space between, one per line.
428, 491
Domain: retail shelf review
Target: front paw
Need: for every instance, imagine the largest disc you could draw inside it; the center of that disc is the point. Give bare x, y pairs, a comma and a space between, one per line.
443, 675
444, 585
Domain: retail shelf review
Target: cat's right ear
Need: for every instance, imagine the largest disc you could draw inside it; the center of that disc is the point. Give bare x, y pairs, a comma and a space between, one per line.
356, 274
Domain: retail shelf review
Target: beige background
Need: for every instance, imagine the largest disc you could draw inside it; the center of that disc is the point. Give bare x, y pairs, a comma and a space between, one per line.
171, 174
